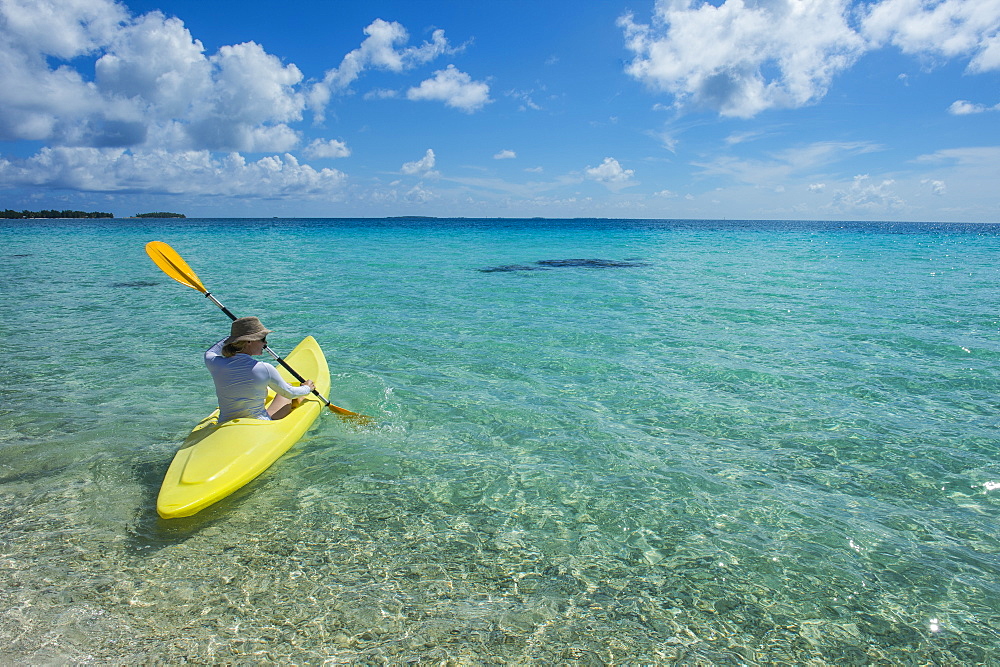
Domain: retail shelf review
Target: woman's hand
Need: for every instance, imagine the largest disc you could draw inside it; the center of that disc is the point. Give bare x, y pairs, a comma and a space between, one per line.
310, 384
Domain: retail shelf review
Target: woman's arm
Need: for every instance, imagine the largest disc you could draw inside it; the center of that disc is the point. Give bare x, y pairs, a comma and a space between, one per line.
278, 384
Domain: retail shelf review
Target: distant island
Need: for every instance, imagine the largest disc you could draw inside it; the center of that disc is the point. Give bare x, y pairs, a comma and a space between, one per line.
24, 215
159, 214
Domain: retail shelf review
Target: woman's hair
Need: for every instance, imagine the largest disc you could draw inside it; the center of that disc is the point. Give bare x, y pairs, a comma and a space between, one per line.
230, 349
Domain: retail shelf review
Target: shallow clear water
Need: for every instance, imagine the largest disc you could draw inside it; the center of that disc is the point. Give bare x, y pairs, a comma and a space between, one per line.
742, 443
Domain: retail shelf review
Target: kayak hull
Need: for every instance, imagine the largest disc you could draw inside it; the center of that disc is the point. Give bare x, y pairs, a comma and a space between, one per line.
215, 461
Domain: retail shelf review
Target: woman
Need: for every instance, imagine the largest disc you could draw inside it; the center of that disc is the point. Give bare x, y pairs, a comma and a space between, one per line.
241, 382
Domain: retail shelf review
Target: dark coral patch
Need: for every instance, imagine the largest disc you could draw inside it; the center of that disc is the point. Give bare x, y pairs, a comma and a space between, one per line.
510, 268
591, 263
548, 264
136, 283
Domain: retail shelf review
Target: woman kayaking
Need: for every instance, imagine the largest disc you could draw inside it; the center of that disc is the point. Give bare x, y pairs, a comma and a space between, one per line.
241, 381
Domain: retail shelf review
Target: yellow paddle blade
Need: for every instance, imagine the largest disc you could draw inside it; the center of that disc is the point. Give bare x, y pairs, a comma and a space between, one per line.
344, 412
173, 265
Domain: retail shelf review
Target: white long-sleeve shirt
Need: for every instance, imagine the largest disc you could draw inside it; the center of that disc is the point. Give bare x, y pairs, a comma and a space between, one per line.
241, 384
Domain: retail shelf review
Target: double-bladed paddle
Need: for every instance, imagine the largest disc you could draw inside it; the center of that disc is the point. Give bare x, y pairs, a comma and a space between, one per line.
174, 266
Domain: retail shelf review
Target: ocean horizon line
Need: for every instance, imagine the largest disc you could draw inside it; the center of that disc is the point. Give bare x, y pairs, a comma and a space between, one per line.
429, 218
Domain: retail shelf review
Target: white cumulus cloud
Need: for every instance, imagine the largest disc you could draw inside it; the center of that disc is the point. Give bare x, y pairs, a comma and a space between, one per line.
865, 195
159, 113
610, 172
171, 172
422, 166
153, 84
455, 88
154, 90
40, 101
938, 187
381, 50
155, 62
60, 28
331, 148
505, 154
949, 28
964, 108
741, 57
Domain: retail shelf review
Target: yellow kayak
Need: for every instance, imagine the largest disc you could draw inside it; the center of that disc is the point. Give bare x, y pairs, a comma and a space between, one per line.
215, 461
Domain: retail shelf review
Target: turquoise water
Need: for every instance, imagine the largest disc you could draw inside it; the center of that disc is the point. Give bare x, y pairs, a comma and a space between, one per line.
740, 443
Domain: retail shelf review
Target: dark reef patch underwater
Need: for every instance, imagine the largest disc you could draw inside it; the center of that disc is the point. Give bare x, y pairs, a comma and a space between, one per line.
549, 264
136, 283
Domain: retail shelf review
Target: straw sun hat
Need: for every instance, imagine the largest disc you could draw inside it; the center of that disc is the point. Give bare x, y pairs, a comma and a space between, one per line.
246, 328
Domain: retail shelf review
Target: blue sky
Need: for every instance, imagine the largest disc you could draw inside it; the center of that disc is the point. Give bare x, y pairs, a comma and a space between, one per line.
769, 109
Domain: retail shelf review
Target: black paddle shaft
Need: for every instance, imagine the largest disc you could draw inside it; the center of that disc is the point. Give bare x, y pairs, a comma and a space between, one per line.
208, 295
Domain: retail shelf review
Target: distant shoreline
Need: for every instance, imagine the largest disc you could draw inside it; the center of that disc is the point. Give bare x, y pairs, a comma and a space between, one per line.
432, 219
69, 214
